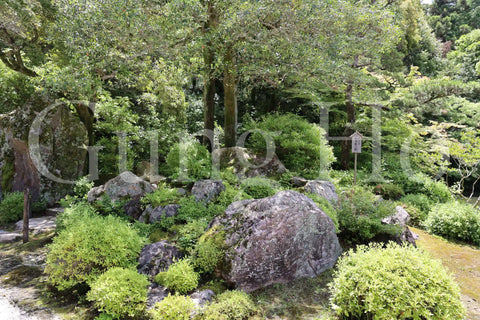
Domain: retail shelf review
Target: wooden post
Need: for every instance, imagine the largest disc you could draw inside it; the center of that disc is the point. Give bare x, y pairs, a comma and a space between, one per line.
355, 174
26, 214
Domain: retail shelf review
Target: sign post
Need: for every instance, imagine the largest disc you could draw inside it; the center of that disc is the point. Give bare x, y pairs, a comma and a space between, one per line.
356, 149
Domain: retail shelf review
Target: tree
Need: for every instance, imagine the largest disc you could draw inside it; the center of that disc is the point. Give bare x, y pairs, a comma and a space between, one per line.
465, 59
23, 26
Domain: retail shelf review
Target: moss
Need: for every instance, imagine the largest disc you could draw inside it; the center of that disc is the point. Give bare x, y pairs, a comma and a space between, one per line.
22, 275
8, 172
460, 259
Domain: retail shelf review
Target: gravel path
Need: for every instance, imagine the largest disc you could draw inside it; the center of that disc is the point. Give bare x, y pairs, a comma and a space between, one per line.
8, 311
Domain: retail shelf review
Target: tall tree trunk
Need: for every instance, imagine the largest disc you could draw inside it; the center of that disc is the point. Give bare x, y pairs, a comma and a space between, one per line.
209, 77
348, 131
230, 92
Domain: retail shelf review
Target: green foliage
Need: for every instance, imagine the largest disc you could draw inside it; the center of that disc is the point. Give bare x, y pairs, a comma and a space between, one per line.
389, 191
173, 308
161, 197
88, 247
189, 233
11, 208
259, 187
300, 145
206, 256
464, 59
81, 187
106, 206
8, 172
39, 206
189, 160
455, 220
120, 292
74, 214
421, 204
180, 277
396, 282
360, 215
230, 305
230, 195
104, 316
326, 207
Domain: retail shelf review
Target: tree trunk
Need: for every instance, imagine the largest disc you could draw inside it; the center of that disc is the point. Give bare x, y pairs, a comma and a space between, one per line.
209, 77
348, 131
230, 92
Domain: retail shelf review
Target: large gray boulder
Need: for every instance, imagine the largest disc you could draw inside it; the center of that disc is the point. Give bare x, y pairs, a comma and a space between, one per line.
124, 186
276, 240
152, 215
207, 190
324, 189
401, 218
157, 257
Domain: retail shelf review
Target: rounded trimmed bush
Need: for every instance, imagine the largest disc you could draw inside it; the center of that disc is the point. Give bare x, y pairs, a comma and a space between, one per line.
455, 220
206, 256
89, 247
230, 305
11, 208
180, 277
173, 308
120, 293
300, 145
396, 282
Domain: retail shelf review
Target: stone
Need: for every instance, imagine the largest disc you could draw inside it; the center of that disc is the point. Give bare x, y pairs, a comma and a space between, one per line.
157, 257
133, 208
400, 218
8, 237
298, 182
59, 150
207, 190
275, 240
124, 186
156, 293
38, 225
324, 189
246, 163
53, 212
152, 215
201, 298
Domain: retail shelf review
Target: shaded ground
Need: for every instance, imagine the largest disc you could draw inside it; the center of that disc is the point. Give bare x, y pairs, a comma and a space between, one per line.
463, 261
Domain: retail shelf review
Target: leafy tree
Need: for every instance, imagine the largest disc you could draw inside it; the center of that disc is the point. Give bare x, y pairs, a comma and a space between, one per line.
23, 29
465, 59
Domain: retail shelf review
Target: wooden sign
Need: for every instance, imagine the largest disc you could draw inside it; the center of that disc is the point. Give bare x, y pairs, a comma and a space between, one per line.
356, 142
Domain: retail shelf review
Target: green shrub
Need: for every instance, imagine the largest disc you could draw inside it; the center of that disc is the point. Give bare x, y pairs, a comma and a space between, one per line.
106, 206
90, 246
191, 210
180, 277
259, 187
120, 293
195, 164
81, 187
389, 191
206, 256
11, 208
73, 214
437, 191
104, 316
230, 195
173, 308
230, 305
360, 215
421, 204
39, 206
398, 282
300, 145
161, 197
189, 234
326, 207
455, 220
